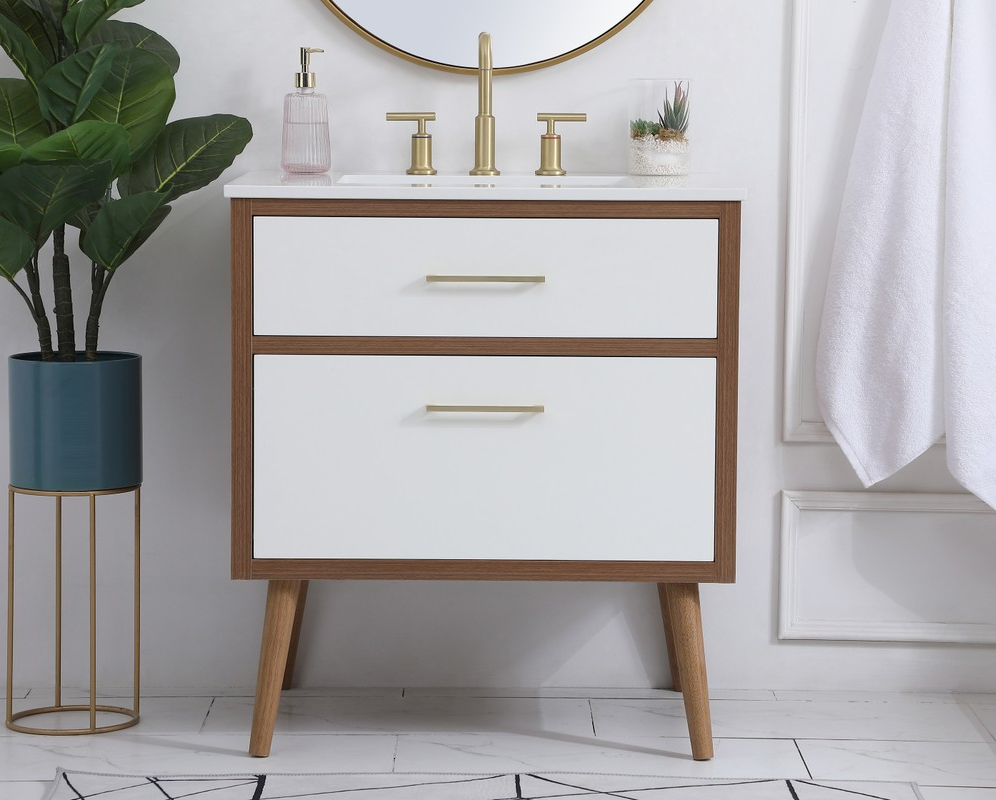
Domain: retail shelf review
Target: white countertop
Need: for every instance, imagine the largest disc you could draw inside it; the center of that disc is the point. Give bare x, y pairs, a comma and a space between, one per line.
274, 184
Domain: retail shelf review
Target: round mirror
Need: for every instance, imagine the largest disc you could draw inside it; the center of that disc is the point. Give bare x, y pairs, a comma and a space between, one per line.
526, 34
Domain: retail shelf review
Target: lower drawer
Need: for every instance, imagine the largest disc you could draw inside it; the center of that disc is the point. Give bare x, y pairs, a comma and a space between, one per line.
366, 457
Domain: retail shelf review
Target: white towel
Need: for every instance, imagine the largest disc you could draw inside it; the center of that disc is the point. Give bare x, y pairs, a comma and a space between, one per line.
970, 252
878, 365
907, 350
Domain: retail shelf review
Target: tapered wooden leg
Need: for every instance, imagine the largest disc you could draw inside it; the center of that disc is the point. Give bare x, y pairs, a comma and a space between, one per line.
281, 604
686, 621
302, 597
672, 658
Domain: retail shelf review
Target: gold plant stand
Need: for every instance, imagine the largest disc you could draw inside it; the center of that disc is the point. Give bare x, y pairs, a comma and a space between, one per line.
58, 706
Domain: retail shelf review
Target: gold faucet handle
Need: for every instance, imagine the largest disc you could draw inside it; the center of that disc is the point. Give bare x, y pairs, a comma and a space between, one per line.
550, 142
421, 117
421, 140
553, 119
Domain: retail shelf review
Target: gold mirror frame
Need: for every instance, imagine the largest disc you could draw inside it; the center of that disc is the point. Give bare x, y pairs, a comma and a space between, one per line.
426, 62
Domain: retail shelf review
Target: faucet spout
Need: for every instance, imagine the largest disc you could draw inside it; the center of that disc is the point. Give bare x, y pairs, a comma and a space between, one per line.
484, 124
484, 73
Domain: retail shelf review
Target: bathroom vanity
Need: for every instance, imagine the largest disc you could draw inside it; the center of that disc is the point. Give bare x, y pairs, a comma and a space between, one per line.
515, 380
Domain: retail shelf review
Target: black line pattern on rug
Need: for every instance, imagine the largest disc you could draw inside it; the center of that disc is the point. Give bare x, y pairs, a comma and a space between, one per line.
845, 791
585, 791
155, 782
65, 777
257, 784
476, 779
145, 782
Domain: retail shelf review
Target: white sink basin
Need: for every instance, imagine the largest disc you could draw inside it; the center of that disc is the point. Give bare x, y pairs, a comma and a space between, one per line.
485, 182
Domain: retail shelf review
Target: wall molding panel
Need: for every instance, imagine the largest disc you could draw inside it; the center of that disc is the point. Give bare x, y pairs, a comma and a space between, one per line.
925, 576
795, 427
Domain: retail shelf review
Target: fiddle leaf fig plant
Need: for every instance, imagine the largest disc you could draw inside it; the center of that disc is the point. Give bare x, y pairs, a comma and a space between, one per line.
86, 148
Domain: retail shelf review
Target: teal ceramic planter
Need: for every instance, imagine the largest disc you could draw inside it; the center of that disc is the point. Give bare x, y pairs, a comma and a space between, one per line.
75, 426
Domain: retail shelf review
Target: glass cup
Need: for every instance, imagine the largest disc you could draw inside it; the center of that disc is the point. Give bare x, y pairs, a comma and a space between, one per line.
658, 126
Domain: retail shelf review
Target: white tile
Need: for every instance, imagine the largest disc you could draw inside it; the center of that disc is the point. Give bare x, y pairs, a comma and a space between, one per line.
658, 756
24, 790
33, 758
987, 715
584, 692
741, 694
343, 691
83, 693
926, 763
884, 697
794, 719
956, 793
409, 715
975, 697
156, 715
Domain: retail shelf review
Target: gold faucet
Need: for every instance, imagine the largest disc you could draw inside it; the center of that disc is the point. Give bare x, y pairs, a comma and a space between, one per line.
484, 123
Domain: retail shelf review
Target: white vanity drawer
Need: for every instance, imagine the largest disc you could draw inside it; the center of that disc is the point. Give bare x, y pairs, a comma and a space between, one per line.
363, 276
349, 464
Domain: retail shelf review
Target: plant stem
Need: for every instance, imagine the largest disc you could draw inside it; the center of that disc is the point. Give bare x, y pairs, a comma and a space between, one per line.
61, 33
38, 305
63, 290
24, 296
96, 303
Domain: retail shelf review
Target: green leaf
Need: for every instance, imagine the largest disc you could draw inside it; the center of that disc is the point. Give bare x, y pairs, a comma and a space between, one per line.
10, 156
138, 94
83, 218
40, 198
122, 226
22, 51
85, 142
87, 14
43, 7
131, 34
189, 154
36, 25
16, 248
21, 121
67, 88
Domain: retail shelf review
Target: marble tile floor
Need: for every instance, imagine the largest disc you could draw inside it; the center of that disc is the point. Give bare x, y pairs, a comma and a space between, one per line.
944, 742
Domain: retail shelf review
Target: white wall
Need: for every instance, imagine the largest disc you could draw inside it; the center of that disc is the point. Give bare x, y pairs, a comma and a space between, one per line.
201, 629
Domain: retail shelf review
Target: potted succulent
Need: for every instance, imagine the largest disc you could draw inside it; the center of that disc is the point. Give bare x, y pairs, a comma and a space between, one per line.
86, 149
659, 145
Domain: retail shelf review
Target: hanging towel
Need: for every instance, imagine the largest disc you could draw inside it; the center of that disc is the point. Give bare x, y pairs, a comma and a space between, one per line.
970, 252
907, 348
878, 368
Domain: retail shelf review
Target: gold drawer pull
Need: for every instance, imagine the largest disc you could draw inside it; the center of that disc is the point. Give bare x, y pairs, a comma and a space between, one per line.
538, 409
485, 278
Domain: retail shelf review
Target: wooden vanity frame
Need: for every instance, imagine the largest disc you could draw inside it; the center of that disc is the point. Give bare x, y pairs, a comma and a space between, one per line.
677, 581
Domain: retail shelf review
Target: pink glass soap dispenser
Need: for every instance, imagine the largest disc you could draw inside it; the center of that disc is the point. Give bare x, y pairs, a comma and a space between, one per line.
305, 145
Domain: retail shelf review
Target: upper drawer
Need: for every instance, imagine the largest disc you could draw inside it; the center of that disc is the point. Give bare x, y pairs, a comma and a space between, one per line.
361, 276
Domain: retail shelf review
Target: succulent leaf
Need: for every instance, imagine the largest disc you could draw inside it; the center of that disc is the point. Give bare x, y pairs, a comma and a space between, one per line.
674, 114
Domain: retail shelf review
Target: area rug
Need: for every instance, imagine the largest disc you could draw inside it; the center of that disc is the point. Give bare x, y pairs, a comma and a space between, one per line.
511, 786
